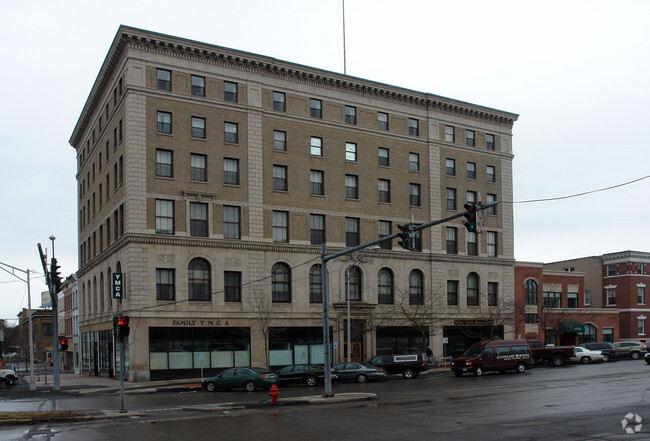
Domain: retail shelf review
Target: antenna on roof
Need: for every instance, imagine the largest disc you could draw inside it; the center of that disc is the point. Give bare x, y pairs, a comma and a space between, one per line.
345, 70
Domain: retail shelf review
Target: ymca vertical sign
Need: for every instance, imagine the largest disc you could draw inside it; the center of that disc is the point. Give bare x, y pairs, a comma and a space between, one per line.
118, 285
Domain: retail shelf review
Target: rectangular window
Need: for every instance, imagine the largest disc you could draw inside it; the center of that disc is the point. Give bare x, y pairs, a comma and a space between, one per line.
552, 299
452, 292
451, 198
469, 137
198, 167
493, 293
414, 195
384, 159
471, 196
611, 296
492, 243
198, 219
315, 108
572, 300
450, 136
198, 85
384, 229
587, 297
490, 172
351, 231
452, 240
163, 79
316, 146
382, 121
489, 199
641, 326
230, 91
414, 127
279, 140
414, 162
280, 226
450, 167
164, 216
472, 246
350, 115
164, 163
164, 124
317, 229
611, 270
316, 185
230, 132
640, 295
280, 178
350, 151
231, 222
471, 170
278, 101
231, 171
198, 127
351, 186
164, 284
384, 190
489, 141
530, 318
232, 286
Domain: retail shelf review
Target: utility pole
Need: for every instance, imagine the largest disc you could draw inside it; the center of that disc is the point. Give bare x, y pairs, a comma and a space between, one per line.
53, 278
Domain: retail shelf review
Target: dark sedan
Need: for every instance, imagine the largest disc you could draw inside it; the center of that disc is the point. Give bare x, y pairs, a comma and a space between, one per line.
358, 372
249, 378
308, 374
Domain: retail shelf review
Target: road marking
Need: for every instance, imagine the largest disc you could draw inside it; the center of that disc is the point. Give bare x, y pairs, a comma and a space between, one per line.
476, 388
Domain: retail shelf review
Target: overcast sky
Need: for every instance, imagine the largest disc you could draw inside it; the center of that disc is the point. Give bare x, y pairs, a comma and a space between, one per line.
577, 73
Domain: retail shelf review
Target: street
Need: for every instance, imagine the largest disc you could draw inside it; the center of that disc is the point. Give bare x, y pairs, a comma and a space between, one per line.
572, 402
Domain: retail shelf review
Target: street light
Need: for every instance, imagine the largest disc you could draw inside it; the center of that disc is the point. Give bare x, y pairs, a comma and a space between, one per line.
359, 261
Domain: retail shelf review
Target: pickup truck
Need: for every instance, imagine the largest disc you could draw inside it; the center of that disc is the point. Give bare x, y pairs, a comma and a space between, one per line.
409, 366
7, 377
555, 355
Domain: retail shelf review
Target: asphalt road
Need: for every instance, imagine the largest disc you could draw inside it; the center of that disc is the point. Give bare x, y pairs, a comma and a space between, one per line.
570, 403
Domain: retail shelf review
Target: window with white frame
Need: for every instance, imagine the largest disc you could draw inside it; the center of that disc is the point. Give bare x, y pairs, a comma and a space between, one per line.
198, 85
231, 229
469, 137
489, 141
610, 293
278, 101
316, 146
279, 140
640, 294
280, 226
492, 243
231, 171
316, 184
230, 132
414, 162
491, 173
384, 159
641, 324
198, 169
198, 127
384, 190
382, 120
449, 134
351, 151
230, 91
450, 165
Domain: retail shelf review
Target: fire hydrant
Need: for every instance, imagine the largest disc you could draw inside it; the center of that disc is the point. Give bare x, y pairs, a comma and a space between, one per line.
274, 394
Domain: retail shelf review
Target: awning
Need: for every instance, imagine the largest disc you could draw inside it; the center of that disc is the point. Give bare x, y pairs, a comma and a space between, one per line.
572, 327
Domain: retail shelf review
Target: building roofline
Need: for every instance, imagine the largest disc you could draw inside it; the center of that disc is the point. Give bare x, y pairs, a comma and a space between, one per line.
246, 60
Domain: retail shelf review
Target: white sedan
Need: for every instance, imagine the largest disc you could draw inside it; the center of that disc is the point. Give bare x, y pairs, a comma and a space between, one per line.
585, 356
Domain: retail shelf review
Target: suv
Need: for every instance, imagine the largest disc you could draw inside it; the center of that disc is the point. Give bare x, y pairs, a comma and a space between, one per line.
7, 377
630, 348
608, 349
409, 366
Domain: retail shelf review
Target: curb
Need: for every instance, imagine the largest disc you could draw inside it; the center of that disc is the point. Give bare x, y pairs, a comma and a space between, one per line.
296, 401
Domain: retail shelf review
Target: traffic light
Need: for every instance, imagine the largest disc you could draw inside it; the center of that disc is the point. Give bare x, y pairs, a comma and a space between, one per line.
63, 344
405, 235
471, 224
55, 276
121, 325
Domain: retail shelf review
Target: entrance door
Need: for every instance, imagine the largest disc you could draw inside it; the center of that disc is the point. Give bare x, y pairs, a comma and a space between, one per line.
356, 351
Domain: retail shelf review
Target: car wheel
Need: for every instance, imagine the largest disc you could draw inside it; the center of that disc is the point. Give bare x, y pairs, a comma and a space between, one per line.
3, 383
585, 360
557, 360
250, 386
460, 374
311, 381
521, 368
361, 378
478, 371
408, 373
635, 355
11, 379
605, 357
210, 387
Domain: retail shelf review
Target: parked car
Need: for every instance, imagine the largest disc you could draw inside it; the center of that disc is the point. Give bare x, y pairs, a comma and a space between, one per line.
409, 366
555, 355
493, 355
647, 357
608, 349
308, 374
9, 375
630, 348
358, 372
586, 356
249, 378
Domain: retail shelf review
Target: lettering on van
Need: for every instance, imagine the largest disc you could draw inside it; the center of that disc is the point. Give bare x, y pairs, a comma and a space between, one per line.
512, 357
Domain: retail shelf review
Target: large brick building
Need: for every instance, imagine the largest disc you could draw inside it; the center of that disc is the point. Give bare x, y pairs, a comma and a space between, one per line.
210, 177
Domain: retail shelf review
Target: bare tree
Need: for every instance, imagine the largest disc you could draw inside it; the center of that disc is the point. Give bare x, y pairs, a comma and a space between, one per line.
414, 312
263, 315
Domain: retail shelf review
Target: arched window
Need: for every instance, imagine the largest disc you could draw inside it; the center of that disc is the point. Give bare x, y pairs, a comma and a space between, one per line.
385, 287
281, 283
199, 279
588, 335
530, 289
354, 283
416, 288
315, 284
472, 289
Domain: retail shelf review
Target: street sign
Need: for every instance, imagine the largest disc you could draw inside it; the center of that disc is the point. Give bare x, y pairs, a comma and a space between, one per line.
118, 285
445, 340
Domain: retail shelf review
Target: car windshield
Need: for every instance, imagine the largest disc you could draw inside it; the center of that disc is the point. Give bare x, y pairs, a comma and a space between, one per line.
473, 352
